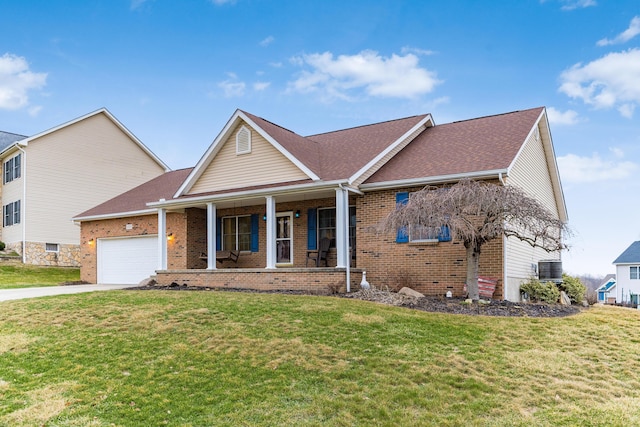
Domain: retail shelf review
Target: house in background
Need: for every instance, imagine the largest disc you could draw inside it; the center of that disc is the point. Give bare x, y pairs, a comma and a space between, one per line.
275, 195
607, 290
51, 176
628, 275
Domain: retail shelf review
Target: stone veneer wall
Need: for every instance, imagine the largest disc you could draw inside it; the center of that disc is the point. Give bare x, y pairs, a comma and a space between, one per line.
67, 256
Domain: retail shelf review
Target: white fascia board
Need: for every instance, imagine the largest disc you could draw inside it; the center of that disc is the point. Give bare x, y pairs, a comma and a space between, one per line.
552, 162
281, 149
441, 179
213, 149
271, 191
114, 215
9, 150
115, 121
390, 148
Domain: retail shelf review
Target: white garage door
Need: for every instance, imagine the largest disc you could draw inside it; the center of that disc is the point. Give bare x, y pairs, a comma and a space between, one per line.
127, 260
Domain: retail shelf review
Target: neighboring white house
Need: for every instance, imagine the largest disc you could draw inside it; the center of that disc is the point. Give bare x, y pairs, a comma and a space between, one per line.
628, 275
49, 177
607, 290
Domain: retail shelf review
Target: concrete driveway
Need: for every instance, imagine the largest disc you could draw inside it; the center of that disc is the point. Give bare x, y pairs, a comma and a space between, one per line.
22, 293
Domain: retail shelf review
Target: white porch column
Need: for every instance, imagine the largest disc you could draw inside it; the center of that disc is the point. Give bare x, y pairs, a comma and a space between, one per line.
342, 224
271, 232
211, 236
162, 239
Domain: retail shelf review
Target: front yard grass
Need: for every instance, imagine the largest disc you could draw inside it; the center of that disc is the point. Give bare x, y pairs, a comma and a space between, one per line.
178, 358
29, 276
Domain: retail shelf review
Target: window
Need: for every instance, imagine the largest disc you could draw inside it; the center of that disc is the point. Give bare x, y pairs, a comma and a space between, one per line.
634, 273
11, 214
236, 233
327, 225
243, 141
51, 247
419, 232
12, 168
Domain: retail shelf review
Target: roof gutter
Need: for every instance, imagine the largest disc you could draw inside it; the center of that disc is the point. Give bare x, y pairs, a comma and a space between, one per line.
440, 179
114, 215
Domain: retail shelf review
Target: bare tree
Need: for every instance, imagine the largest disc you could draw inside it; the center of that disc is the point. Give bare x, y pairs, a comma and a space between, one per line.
476, 213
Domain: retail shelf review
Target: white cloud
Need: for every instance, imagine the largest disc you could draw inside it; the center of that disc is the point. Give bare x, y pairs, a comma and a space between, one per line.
16, 80
135, 4
260, 86
612, 81
417, 51
222, 2
625, 36
578, 169
396, 76
557, 117
232, 89
577, 4
267, 41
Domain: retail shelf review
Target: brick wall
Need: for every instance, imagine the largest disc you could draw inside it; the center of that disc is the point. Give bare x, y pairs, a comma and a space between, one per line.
432, 268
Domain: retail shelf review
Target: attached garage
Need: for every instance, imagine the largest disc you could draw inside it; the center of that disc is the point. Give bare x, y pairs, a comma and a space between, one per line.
127, 260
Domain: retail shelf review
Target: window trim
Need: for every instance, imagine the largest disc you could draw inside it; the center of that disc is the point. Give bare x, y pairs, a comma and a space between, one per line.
12, 168
222, 233
11, 214
57, 247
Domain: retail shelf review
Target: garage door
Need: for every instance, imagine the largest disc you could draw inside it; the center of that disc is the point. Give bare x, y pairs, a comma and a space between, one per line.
127, 260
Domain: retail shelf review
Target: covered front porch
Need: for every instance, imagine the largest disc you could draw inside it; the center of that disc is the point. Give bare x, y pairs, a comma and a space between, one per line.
274, 232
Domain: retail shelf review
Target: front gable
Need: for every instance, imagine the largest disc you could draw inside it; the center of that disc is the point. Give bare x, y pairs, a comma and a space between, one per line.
244, 155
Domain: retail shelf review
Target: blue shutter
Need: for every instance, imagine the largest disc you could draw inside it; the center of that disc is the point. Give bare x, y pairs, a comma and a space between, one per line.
402, 236
312, 235
444, 235
254, 232
218, 234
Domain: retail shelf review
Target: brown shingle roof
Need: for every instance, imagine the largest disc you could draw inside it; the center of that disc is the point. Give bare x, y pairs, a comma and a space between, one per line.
136, 199
482, 144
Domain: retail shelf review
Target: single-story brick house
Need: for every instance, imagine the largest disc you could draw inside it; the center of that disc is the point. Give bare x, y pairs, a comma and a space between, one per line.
274, 195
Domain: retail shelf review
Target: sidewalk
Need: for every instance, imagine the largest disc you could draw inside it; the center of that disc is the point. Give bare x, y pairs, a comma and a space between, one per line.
23, 293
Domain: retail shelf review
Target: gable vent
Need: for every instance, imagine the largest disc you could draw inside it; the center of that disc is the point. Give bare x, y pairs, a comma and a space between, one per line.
243, 141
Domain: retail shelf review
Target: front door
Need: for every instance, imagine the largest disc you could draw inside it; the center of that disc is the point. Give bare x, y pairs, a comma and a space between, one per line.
284, 238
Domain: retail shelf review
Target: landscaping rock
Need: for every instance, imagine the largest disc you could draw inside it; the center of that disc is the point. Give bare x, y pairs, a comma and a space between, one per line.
410, 292
564, 298
149, 281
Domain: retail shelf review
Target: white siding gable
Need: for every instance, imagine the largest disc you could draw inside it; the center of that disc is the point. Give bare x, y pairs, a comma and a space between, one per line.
231, 168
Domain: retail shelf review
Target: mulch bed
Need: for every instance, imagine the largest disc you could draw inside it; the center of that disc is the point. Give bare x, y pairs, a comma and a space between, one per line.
431, 304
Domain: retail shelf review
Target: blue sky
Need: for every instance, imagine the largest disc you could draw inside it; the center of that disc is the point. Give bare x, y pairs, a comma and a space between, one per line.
174, 72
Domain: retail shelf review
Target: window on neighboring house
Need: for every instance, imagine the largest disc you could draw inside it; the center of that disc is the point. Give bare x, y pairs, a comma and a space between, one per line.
12, 168
51, 247
634, 273
11, 214
327, 225
236, 233
243, 141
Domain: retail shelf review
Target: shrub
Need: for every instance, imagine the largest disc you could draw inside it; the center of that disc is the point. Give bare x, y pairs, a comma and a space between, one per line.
573, 287
537, 291
2, 246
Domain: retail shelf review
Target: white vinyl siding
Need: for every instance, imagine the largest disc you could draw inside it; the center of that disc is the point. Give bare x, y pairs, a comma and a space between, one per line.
75, 168
531, 172
264, 165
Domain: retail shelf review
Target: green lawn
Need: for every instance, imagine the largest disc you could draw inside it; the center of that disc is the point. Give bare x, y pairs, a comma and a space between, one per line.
178, 358
28, 276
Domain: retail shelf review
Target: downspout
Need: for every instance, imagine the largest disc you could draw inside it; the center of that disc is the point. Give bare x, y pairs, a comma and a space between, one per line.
23, 207
505, 242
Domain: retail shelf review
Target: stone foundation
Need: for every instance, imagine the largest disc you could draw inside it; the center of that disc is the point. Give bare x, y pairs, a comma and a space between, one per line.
67, 255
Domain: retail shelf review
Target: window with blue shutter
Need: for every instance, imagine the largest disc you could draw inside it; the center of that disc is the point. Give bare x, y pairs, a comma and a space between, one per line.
444, 235
402, 235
